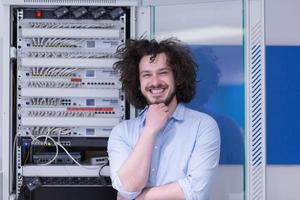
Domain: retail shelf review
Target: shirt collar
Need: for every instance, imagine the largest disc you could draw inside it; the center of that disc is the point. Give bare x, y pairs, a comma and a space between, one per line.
142, 116
177, 115
179, 112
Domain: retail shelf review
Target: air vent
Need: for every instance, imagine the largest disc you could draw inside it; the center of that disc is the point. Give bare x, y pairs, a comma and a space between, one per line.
88, 2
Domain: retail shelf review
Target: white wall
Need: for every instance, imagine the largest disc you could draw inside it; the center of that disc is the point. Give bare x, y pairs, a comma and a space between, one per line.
283, 182
1, 104
1, 42
1, 117
202, 23
1, 67
1, 192
228, 183
282, 22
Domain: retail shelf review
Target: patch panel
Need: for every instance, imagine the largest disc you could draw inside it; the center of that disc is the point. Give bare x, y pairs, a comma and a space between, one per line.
71, 84
69, 62
62, 73
61, 158
49, 44
62, 102
65, 131
82, 142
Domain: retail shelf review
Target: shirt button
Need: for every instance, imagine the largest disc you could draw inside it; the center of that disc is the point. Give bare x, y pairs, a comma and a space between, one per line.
153, 169
155, 147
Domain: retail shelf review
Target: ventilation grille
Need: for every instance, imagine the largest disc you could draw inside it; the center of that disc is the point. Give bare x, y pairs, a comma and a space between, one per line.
256, 114
88, 2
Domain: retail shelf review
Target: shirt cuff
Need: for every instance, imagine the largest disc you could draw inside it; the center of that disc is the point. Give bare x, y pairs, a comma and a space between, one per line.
185, 186
118, 186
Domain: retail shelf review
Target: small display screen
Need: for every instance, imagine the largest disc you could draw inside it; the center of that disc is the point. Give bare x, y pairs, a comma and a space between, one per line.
90, 102
90, 73
90, 44
90, 131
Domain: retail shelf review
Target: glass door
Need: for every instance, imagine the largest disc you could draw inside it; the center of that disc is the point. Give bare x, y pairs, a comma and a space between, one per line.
214, 33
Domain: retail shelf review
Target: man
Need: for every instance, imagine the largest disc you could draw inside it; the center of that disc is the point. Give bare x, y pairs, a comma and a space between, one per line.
168, 152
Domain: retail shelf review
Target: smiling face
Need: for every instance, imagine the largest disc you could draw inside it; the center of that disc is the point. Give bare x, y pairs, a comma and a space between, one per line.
157, 80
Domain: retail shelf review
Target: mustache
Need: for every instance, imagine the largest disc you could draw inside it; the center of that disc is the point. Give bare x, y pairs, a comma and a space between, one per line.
160, 86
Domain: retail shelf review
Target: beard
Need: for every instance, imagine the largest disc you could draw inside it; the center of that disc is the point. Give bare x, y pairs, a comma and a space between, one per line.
166, 101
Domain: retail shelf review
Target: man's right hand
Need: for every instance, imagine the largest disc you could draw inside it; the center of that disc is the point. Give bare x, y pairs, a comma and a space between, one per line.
156, 117
133, 173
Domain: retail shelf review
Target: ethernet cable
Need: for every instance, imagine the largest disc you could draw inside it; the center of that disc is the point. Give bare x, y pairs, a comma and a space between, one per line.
56, 148
58, 144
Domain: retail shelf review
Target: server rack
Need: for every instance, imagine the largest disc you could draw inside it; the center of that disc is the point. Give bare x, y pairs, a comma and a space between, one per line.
64, 97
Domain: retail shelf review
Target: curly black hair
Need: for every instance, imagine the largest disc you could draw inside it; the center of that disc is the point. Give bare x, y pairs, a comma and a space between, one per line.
179, 59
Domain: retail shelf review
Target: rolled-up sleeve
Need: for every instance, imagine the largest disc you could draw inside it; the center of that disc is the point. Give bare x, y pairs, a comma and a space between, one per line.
118, 150
203, 162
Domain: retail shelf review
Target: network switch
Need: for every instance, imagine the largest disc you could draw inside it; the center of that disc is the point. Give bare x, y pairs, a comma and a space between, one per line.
61, 158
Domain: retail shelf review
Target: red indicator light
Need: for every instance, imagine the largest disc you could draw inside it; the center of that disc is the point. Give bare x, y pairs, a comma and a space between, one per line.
76, 79
106, 109
38, 14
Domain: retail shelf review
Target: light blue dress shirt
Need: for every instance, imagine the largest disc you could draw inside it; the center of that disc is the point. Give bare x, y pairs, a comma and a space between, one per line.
186, 150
